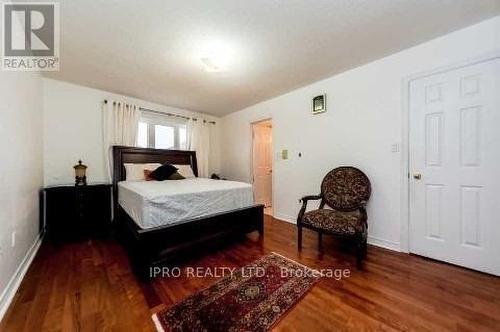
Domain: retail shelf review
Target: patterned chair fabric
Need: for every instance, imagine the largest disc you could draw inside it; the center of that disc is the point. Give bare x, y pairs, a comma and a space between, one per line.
346, 191
344, 188
335, 221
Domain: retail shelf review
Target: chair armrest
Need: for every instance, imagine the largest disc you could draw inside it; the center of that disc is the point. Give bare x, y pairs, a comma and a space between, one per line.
304, 205
310, 197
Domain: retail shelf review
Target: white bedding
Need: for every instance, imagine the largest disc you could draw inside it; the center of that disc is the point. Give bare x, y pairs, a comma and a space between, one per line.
159, 203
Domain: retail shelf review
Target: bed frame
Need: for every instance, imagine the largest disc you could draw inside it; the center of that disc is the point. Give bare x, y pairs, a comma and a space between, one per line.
160, 245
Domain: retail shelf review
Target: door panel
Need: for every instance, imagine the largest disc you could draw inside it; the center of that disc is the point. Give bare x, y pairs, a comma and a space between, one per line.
454, 146
469, 216
433, 212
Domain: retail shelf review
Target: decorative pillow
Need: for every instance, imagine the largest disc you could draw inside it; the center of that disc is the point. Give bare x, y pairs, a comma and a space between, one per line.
147, 175
176, 176
163, 172
135, 172
186, 171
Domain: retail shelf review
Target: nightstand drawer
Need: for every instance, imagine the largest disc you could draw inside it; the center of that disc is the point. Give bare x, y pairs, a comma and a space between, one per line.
75, 213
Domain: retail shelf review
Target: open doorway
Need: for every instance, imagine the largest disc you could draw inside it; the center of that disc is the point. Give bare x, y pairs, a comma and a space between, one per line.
262, 164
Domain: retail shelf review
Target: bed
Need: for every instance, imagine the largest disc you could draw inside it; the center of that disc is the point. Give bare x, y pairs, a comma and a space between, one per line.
162, 222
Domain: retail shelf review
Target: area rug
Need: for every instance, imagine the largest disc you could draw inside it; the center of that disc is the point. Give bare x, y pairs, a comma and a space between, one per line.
252, 298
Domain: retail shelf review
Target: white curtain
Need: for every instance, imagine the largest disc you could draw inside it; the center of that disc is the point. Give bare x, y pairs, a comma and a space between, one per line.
199, 141
120, 122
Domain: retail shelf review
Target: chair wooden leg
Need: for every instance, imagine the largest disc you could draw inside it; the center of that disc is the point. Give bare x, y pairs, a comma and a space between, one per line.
299, 237
365, 249
360, 253
320, 242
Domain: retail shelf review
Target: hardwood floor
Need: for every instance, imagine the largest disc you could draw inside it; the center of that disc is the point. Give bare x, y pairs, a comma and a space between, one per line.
90, 287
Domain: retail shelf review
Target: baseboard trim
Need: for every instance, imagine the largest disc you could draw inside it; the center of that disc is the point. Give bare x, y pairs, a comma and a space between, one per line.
375, 241
386, 244
285, 217
14, 282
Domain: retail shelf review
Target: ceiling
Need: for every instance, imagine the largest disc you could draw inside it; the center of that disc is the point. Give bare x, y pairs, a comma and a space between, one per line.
151, 49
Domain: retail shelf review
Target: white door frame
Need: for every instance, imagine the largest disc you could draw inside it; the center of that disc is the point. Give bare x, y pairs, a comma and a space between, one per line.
272, 155
405, 139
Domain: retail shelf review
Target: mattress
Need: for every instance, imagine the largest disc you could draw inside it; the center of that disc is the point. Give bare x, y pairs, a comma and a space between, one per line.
161, 203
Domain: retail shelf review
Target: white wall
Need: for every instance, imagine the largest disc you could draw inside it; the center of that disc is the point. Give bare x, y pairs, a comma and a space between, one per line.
21, 172
73, 130
362, 122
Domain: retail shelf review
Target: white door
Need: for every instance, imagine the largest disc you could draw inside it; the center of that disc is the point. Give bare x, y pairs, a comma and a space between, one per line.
455, 150
262, 163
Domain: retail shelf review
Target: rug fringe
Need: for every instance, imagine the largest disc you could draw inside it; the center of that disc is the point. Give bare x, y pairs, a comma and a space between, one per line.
291, 260
158, 325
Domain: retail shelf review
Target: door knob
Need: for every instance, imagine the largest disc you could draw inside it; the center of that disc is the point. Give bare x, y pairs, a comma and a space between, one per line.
417, 176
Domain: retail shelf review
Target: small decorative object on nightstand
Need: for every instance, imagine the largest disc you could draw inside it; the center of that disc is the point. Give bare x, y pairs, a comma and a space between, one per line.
77, 212
80, 177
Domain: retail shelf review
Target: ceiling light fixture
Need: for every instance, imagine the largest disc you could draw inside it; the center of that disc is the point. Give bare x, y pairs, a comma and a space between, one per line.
216, 56
210, 65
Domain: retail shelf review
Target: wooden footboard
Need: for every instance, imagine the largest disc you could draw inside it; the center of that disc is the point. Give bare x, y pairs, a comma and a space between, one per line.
163, 245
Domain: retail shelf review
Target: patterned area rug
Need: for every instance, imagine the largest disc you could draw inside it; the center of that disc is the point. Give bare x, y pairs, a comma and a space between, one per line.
253, 298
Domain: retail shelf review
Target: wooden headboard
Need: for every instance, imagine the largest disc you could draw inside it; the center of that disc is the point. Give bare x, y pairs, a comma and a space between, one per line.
126, 154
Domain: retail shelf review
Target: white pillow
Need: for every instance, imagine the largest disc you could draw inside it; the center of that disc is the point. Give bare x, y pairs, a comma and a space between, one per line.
135, 172
185, 170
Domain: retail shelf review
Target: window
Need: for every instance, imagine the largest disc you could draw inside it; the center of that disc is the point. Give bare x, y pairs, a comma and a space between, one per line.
161, 133
164, 137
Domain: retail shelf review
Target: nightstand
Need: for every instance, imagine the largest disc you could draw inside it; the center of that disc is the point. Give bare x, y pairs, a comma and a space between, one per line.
75, 213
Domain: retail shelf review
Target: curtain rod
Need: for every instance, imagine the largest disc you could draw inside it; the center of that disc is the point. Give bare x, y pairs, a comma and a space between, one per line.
165, 113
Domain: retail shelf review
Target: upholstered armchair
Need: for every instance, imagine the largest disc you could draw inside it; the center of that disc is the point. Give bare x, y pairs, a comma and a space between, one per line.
345, 190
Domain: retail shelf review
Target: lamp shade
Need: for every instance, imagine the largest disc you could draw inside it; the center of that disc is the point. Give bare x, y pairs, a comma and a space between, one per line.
80, 170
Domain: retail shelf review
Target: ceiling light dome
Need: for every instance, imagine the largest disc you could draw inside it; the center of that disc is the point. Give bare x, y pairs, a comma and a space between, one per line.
216, 56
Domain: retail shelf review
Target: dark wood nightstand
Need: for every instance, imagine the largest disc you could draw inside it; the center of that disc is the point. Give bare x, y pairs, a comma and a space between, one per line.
75, 213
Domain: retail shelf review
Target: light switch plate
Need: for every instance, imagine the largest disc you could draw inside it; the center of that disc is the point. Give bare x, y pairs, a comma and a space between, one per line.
284, 154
